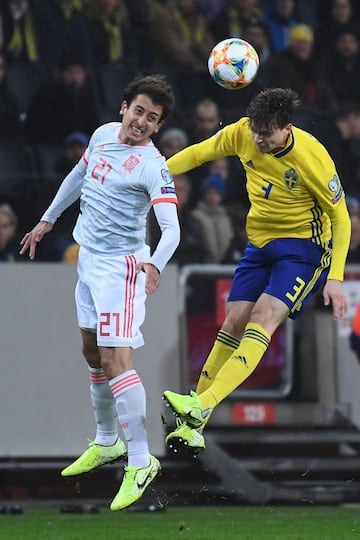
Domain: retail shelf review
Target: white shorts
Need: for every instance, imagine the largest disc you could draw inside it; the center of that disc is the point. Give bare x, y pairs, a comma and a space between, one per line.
110, 297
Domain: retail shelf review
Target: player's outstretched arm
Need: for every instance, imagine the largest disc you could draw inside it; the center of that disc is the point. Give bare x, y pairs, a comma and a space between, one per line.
334, 294
32, 238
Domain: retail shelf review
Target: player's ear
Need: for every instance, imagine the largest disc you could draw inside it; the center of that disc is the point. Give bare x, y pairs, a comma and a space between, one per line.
123, 107
160, 123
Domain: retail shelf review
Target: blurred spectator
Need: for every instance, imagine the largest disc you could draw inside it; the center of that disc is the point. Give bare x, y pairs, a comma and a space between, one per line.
237, 214
71, 253
171, 141
307, 11
112, 38
354, 248
180, 35
205, 120
231, 170
9, 245
256, 33
234, 17
23, 45
243, 19
353, 205
74, 147
347, 120
295, 67
6, 25
356, 11
182, 43
10, 124
211, 8
354, 336
139, 14
65, 104
280, 17
213, 216
323, 127
55, 248
63, 29
339, 71
192, 248
334, 17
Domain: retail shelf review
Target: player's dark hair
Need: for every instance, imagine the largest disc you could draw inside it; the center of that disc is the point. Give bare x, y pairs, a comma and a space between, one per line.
272, 108
156, 87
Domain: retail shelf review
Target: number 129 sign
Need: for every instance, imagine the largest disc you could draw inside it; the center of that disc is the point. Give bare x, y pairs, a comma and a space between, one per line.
253, 413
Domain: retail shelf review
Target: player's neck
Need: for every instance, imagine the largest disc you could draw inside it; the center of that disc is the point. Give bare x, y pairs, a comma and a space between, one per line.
281, 147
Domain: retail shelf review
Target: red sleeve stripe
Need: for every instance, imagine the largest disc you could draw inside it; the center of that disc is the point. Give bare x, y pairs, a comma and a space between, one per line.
84, 158
169, 199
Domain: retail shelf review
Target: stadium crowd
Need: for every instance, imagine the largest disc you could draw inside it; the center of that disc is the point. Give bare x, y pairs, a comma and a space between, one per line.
64, 64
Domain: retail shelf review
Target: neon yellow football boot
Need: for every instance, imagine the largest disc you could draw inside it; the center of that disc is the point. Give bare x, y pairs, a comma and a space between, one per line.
188, 408
95, 456
135, 481
185, 439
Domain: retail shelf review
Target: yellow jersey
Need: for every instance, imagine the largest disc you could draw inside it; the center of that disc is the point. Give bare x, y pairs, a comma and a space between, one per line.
294, 193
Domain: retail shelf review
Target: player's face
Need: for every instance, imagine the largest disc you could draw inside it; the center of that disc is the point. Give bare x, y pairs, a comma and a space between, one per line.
140, 120
270, 141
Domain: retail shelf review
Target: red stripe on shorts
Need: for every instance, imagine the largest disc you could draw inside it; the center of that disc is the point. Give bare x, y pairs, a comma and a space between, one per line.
129, 295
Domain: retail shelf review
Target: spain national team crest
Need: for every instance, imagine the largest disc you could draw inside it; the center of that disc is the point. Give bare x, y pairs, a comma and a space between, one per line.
291, 178
131, 163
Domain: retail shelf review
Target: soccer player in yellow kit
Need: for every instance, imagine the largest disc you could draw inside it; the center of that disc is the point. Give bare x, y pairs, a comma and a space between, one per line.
299, 231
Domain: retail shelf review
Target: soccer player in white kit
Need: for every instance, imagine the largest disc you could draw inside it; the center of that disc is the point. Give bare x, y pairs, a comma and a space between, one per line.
120, 176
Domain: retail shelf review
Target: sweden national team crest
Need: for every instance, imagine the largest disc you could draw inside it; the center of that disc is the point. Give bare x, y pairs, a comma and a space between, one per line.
291, 178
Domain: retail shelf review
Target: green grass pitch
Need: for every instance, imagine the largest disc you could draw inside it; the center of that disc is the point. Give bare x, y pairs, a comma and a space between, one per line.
187, 523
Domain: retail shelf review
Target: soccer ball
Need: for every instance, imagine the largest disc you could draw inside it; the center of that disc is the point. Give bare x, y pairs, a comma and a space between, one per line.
233, 63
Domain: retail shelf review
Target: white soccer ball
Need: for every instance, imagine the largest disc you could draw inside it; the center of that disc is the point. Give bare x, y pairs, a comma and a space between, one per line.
233, 63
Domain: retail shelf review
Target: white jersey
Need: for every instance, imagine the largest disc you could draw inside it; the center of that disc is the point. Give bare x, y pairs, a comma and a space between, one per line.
117, 183
121, 182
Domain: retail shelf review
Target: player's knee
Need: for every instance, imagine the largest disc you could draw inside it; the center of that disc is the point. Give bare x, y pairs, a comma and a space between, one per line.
233, 326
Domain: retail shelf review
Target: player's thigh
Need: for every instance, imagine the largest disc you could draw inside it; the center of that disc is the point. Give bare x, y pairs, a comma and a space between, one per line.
85, 308
295, 282
119, 296
251, 276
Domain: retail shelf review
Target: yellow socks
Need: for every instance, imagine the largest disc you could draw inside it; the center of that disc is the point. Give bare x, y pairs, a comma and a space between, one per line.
238, 367
224, 346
